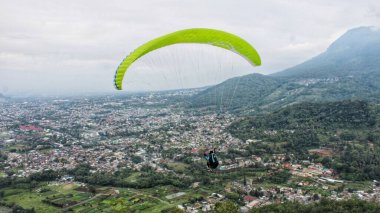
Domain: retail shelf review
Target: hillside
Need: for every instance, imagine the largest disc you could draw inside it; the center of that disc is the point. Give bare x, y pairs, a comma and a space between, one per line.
325, 115
235, 93
348, 69
349, 129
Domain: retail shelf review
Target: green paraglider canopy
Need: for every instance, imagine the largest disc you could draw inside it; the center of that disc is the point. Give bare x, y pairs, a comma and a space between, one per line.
213, 37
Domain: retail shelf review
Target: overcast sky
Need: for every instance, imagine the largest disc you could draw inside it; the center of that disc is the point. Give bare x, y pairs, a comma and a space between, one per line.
55, 47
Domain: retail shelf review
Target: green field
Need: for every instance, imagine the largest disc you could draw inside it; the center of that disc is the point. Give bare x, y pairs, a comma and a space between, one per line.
178, 167
133, 177
2, 174
359, 185
71, 197
30, 200
43, 200
53, 197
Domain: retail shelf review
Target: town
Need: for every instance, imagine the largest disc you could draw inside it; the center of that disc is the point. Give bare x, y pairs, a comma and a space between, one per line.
113, 133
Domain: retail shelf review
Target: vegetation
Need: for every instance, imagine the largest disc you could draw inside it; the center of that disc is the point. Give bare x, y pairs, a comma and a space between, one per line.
348, 128
241, 93
226, 207
351, 206
146, 179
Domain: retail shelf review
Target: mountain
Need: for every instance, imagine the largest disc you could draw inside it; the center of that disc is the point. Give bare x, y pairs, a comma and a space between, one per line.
348, 69
357, 52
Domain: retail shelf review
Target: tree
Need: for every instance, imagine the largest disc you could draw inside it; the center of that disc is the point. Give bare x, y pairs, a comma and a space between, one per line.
280, 177
233, 196
226, 207
136, 159
315, 197
173, 210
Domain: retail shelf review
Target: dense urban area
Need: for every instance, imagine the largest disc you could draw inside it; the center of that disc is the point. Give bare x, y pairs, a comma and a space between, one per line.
144, 153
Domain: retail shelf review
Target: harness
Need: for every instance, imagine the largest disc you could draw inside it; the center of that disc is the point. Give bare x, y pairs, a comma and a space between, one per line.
213, 158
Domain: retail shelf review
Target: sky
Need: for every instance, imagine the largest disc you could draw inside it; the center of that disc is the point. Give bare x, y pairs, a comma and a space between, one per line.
51, 47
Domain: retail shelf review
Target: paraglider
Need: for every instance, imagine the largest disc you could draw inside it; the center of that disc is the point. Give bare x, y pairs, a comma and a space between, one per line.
212, 37
212, 160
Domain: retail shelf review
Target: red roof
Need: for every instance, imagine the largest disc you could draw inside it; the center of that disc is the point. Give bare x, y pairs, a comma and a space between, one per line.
30, 127
194, 150
249, 198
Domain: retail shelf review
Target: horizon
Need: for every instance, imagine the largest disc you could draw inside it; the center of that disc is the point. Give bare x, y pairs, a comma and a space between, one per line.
64, 51
73, 94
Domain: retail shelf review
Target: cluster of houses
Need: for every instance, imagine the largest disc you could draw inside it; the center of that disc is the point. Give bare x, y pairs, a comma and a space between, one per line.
102, 133
204, 205
312, 170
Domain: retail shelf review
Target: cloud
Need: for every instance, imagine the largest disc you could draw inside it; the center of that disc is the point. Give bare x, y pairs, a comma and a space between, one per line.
51, 47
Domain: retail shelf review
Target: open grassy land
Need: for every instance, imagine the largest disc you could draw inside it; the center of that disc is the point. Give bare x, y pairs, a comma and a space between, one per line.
70, 197
133, 177
46, 197
144, 200
74, 198
178, 167
29, 200
359, 185
2, 174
